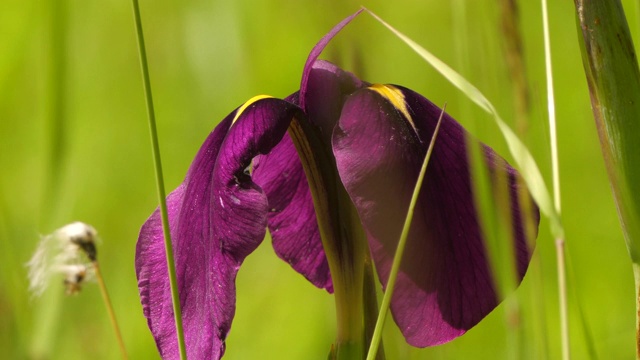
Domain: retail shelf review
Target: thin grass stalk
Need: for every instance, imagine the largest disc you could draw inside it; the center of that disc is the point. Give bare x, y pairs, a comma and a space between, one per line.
371, 309
541, 343
173, 282
577, 305
110, 311
551, 107
555, 170
47, 314
397, 258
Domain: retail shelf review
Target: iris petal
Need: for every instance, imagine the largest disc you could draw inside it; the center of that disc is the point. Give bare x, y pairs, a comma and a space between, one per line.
292, 219
315, 53
218, 216
444, 286
327, 89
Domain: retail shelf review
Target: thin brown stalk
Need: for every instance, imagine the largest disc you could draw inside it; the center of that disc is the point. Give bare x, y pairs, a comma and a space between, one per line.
109, 306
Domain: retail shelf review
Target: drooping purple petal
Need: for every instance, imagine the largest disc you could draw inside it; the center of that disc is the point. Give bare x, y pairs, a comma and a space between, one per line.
218, 216
444, 286
292, 218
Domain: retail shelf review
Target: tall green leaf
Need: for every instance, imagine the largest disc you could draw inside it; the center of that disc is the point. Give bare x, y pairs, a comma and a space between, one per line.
612, 73
614, 85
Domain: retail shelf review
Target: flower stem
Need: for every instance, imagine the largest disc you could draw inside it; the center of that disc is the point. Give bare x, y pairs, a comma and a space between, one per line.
397, 258
112, 315
342, 238
159, 180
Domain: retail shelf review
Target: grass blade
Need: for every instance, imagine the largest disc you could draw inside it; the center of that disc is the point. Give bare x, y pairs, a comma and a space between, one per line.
555, 171
175, 298
397, 258
521, 155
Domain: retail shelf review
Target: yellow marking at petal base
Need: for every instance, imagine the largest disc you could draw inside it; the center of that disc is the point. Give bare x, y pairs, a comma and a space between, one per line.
395, 97
247, 104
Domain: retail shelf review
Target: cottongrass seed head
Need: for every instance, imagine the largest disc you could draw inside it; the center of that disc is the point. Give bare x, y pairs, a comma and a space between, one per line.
69, 251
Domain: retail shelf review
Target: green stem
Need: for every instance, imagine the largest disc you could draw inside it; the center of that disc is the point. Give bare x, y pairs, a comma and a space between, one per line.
109, 306
159, 180
551, 107
397, 258
370, 306
343, 243
555, 169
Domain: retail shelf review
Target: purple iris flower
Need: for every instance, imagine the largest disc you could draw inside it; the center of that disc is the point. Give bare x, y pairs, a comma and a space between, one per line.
362, 146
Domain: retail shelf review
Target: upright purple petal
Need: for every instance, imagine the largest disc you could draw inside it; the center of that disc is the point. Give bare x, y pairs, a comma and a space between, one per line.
315, 53
218, 216
444, 286
327, 90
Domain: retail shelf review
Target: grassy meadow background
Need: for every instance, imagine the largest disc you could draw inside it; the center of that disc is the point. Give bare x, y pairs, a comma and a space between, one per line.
74, 145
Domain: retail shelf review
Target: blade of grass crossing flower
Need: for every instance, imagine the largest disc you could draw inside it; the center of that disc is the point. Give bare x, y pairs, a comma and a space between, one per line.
518, 150
159, 179
397, 258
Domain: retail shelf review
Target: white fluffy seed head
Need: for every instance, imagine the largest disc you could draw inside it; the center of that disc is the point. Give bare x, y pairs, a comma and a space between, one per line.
74, 276
69, 251
78, 236
77, 232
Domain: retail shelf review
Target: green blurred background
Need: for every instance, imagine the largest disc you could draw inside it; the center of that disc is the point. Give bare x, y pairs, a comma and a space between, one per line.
74, 145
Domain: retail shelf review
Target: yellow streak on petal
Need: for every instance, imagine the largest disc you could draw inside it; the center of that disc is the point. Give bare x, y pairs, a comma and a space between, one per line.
247, 104
396, 98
